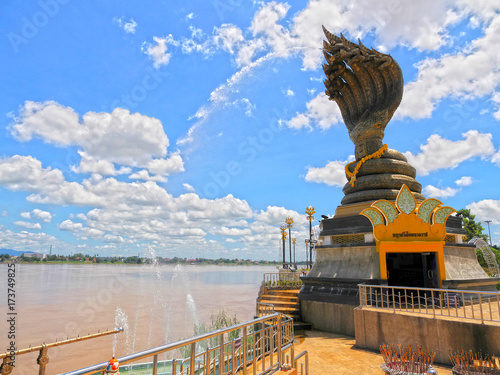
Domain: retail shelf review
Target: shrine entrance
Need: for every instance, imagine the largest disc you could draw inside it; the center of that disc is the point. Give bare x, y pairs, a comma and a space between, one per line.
419, 269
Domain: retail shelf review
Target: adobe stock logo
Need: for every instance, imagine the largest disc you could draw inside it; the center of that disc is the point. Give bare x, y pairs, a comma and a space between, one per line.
248, 150
32, 25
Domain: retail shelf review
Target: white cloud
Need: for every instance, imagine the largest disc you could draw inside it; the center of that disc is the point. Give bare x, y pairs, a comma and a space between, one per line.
89, 164
132, 140
495, 98
464, 181
228, 37
469, 73
224, 231
45, 216
174, 164
440, 153
128, 26
321, 112
487, 209
49, 121
27, 225
68, 225
433, 192
288, 92
332, 174
158, 52
144, 175
188, 187
25, 173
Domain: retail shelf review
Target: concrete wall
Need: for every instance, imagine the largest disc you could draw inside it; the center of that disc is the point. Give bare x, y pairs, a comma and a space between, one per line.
350, 262
329, 317
374, 328
461, 263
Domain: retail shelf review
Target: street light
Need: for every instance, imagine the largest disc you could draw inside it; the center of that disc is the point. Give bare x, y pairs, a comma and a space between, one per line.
283, 237
307, 252
310, 212
293, 241
489, 221
289, 222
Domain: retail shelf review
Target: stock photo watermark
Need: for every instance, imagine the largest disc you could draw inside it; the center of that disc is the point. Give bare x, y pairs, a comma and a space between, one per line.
31, 25
248, 150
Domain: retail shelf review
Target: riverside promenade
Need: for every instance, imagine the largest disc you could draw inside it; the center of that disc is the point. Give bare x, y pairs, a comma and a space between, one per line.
330, 353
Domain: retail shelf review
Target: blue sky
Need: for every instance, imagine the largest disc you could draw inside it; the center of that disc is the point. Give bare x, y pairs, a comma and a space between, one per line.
196, 129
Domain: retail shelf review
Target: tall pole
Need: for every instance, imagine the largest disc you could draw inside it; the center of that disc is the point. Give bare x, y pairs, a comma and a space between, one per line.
310, 212
283, 237
307, 252
289, 222
489, 221
293, 241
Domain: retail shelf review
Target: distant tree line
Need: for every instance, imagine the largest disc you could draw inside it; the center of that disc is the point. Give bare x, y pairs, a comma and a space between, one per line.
87, 258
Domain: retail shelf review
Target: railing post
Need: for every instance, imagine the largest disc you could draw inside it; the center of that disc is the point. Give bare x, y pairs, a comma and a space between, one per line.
174, 366
155, 364
279, 342
481, 308
193, 358
42, 360
393, 301
221, 355
245, 350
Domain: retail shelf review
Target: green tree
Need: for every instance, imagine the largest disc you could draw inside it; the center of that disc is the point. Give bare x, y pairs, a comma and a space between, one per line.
472, 228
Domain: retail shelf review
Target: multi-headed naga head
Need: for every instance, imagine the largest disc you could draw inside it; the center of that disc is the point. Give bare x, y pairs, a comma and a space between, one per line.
367, 86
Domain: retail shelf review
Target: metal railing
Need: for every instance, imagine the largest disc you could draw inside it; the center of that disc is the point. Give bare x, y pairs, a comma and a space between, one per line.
264, 309
7, 366
283, 279
450, 303
259, 349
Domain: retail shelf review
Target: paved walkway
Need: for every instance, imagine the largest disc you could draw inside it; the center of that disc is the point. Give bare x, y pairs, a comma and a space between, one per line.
330, 353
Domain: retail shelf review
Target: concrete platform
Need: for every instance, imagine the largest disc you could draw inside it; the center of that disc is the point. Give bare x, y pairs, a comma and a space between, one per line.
330, 353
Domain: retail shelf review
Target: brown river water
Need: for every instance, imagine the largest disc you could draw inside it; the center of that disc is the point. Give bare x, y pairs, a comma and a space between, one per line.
155, 304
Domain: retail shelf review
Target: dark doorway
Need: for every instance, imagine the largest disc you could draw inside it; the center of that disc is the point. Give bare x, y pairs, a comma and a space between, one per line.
412, 269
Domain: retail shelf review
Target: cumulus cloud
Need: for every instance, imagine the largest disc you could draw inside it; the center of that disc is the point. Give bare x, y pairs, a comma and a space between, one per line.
465, 181
158, 52
321, 112
228, 37
45, 216
70, 226
487, 209
469, 73
131, 140
434, 192
27, 225
25, 173
439, 153
332, 174
188, 187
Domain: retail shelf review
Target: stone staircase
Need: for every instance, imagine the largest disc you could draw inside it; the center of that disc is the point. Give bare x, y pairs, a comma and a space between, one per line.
285, 301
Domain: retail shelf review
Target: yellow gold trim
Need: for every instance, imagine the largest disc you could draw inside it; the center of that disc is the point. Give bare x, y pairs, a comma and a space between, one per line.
352, 176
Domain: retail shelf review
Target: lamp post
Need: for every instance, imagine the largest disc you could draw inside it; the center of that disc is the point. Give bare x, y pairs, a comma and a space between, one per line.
488, 222
293, 241
307, 252
283, 237
310, 212
289, 222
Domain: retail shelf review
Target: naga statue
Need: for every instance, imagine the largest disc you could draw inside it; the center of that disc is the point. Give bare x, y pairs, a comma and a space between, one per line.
367, 86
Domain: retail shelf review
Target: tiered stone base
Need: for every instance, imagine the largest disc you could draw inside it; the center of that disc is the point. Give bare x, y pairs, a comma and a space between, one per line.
382, 178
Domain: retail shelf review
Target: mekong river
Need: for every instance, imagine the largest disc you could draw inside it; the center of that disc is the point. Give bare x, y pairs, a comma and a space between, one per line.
155, 304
